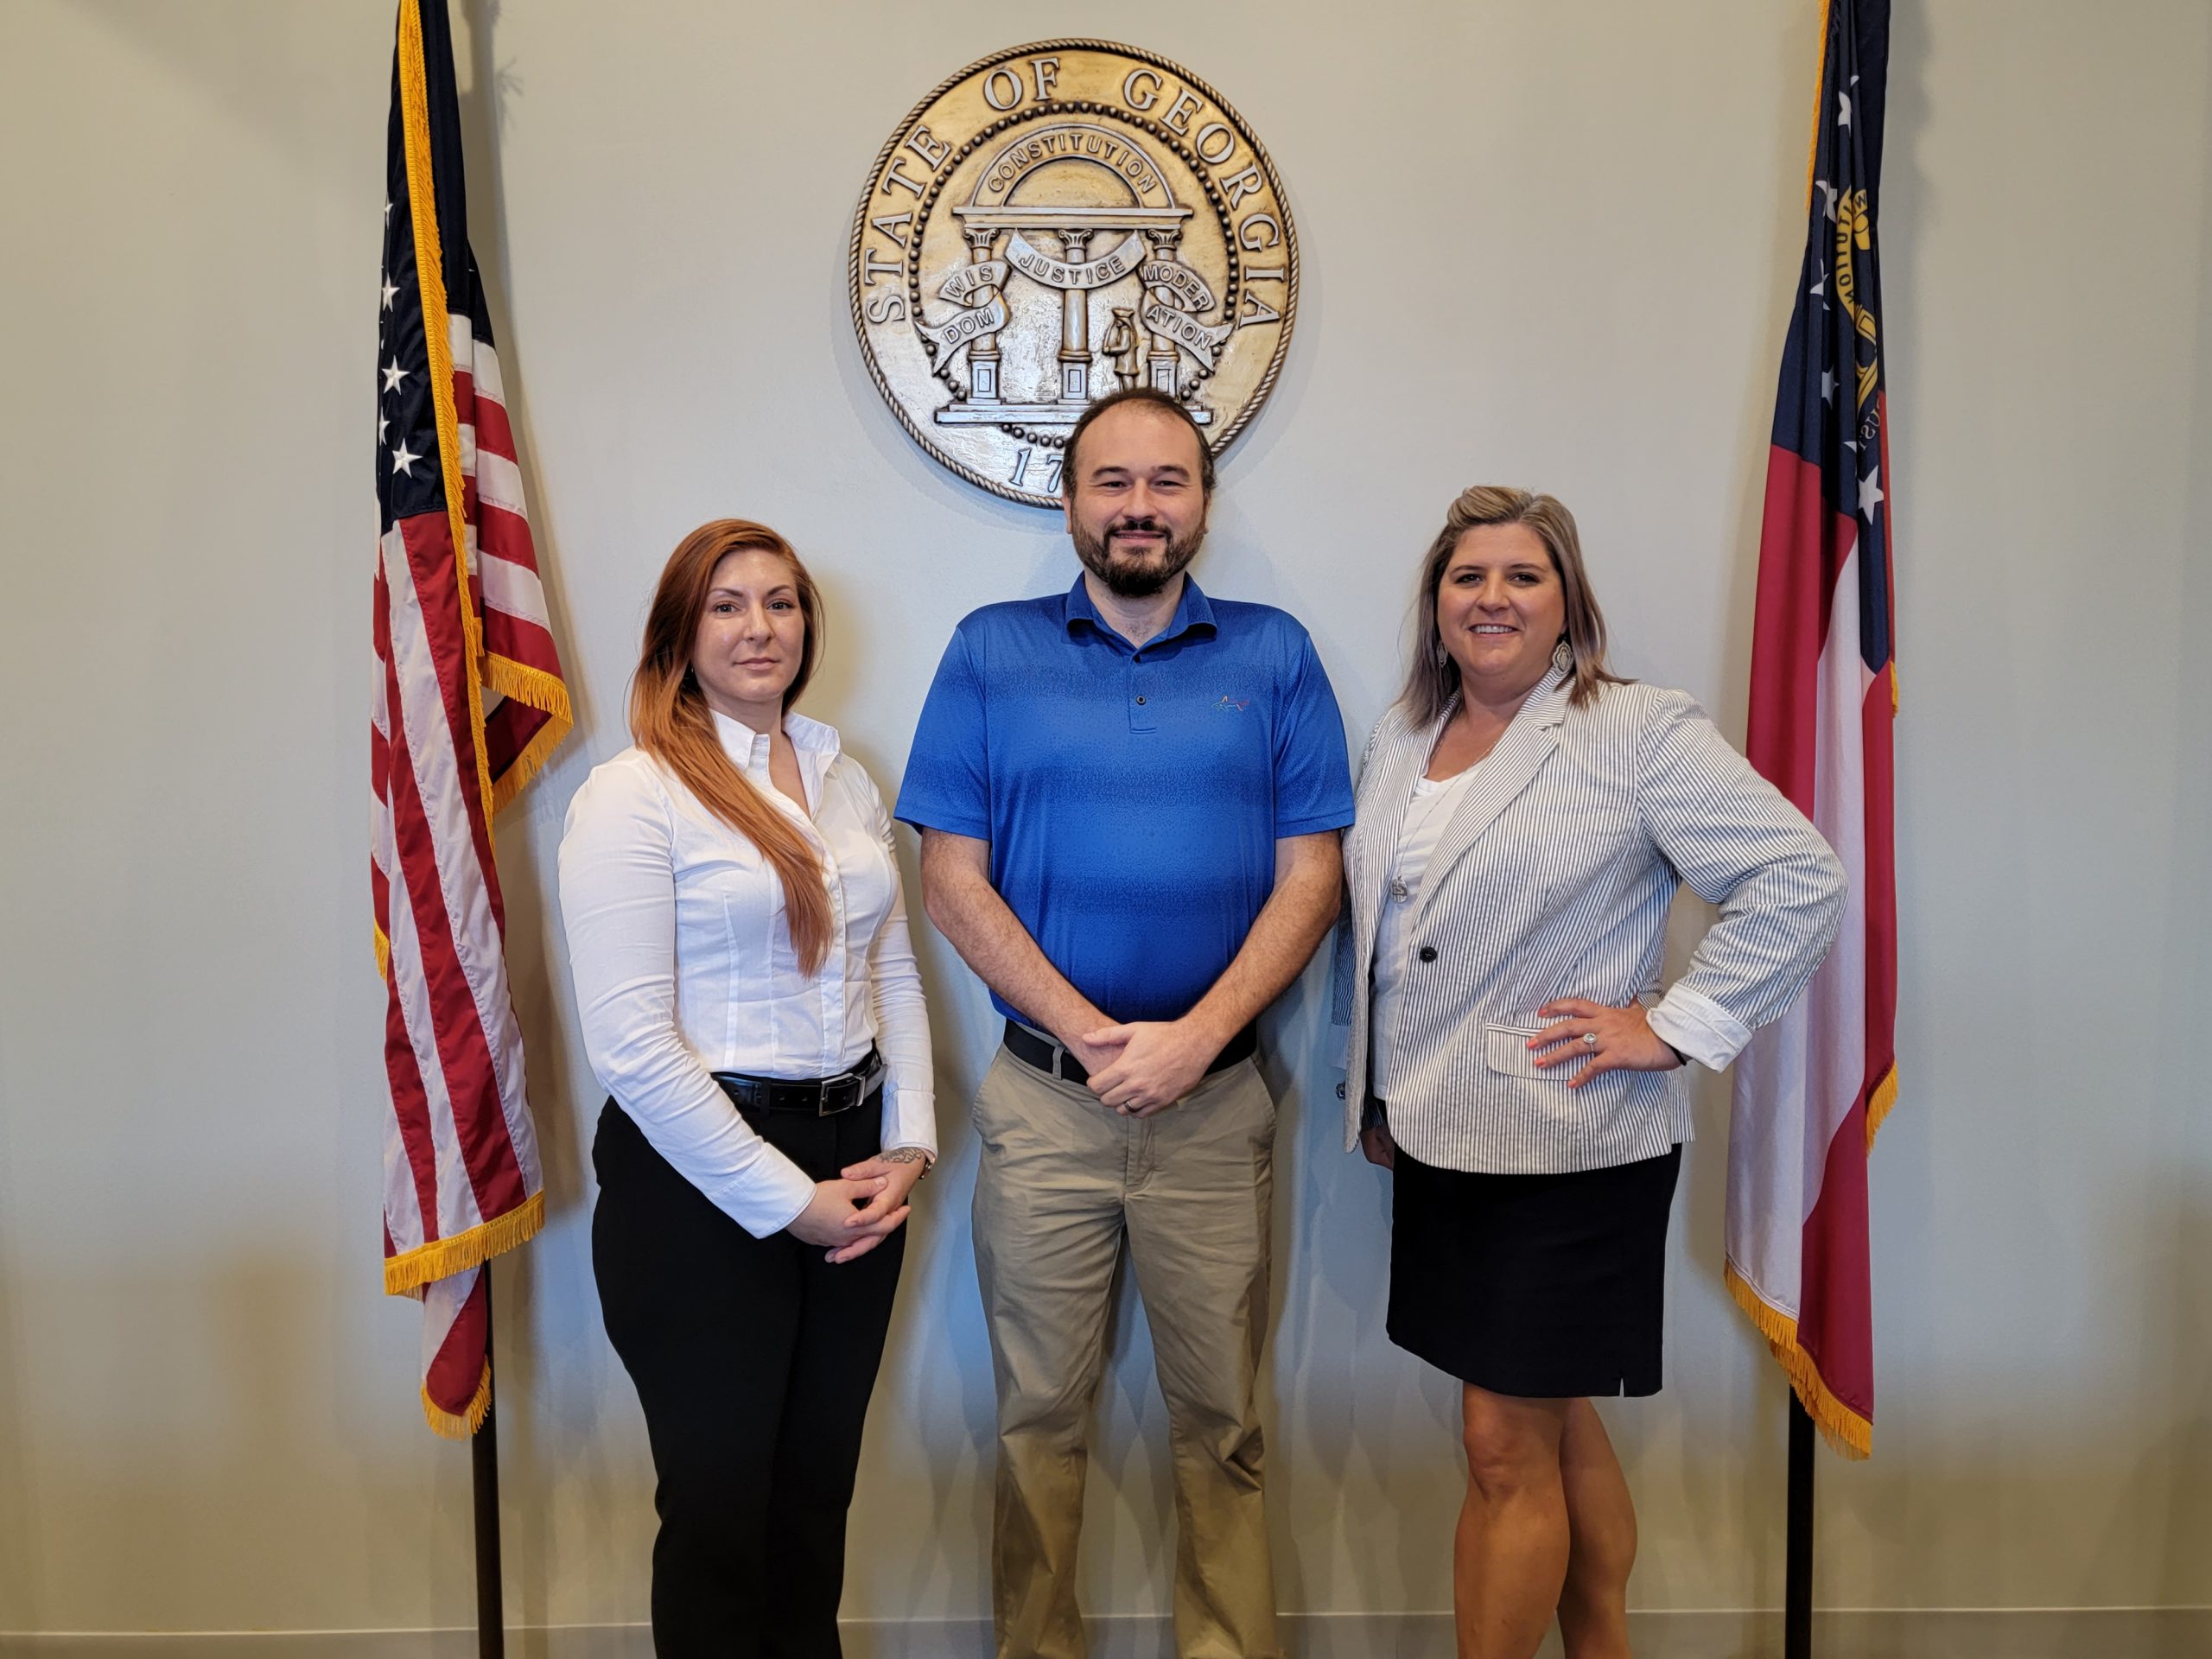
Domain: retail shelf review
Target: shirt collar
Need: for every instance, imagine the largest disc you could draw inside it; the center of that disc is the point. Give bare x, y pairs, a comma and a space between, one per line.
810, 737
1192, 611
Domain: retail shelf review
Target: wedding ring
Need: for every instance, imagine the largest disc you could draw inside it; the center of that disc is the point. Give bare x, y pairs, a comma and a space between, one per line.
1589, 1039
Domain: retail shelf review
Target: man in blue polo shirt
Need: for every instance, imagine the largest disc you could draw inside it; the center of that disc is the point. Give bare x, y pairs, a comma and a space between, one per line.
1129, 797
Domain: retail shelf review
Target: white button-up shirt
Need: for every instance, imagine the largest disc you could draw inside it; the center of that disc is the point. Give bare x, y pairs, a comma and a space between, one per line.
683, 964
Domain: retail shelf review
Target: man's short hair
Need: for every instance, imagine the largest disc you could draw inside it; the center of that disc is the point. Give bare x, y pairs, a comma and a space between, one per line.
1158, 399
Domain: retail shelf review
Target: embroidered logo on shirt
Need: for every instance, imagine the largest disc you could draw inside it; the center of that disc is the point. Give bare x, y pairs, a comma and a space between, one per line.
1230, 705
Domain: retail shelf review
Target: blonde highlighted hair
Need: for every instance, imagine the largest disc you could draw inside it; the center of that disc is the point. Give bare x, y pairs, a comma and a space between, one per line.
1433, 679
670, 721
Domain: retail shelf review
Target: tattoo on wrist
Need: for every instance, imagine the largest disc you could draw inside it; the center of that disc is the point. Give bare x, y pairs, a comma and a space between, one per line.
908, 1155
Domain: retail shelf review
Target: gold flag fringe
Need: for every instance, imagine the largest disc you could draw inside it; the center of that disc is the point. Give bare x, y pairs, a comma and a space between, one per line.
441, 1258
542, 691
1877, 1106
447, 1426
1848, 1433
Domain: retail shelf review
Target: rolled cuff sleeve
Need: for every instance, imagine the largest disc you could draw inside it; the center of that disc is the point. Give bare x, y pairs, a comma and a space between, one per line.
1688, 1020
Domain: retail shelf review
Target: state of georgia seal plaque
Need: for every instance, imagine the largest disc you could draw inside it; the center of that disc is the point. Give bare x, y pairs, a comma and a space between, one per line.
1055, 222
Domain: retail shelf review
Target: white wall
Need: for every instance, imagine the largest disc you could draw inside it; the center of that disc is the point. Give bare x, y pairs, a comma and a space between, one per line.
1544, 243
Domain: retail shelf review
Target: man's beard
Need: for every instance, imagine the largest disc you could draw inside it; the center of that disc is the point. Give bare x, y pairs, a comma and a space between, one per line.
1127, 580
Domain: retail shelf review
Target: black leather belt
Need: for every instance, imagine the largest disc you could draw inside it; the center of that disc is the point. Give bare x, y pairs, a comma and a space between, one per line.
822, 1097
1050, 1059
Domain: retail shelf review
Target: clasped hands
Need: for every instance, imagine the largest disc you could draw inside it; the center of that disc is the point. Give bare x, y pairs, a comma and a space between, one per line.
1138, 1069
1147, 1065
866, 1203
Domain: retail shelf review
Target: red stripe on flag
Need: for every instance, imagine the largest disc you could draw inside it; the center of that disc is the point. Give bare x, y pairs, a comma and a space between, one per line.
506, 534
494, 432
1798, 562
521, 641
463, 381
456, 1370
380, 751
379, 762
1835, 1310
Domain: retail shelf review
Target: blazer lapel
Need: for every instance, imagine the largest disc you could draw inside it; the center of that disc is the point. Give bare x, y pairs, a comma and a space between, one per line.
1499, 778
1387, 792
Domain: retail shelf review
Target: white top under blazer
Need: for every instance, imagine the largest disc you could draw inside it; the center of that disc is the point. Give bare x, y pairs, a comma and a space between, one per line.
684, 966
1428, 813
1553, 879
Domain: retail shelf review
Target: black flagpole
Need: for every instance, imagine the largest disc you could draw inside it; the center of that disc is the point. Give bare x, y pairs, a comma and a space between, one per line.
1797, 1578
484, 1466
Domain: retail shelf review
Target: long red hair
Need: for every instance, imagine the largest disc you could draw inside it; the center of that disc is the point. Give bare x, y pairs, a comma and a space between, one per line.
670, 721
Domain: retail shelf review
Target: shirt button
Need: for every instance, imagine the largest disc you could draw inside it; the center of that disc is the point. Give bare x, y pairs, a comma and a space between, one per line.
1428, 953
1140, 700
1398, 889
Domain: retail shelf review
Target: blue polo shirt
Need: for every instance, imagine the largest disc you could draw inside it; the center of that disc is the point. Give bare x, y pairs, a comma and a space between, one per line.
1132, 798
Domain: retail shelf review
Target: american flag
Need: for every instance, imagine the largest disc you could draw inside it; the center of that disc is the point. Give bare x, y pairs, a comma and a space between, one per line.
1812, 1088
468, 702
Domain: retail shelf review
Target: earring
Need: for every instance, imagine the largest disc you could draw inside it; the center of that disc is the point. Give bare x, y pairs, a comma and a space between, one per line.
1562, 655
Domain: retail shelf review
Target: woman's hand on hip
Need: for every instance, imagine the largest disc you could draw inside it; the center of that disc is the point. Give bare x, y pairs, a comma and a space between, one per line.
1604, 1038
849, 1217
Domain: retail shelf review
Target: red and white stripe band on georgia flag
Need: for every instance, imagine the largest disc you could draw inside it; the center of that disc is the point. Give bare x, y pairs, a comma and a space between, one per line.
468, 702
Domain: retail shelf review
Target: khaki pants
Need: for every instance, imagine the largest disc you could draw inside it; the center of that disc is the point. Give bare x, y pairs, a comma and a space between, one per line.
1060, 1180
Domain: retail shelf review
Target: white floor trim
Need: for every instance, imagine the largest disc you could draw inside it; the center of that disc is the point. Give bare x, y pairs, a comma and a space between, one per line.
2032, 1633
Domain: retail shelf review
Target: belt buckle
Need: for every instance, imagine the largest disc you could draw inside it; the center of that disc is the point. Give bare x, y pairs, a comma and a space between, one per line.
831, 1090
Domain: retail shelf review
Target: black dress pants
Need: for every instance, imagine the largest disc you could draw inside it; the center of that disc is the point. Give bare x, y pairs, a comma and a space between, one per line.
753, 1359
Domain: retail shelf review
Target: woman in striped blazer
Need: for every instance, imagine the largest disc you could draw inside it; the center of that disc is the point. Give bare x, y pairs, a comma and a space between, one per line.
1524, 819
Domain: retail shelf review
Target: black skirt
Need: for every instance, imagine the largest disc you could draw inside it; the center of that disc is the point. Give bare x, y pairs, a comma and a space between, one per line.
1541, 1286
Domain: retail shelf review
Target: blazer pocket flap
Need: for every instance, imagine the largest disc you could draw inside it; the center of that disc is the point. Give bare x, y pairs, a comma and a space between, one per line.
1506, 1047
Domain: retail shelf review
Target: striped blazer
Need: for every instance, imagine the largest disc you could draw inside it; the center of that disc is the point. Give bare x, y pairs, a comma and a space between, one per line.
1553, 879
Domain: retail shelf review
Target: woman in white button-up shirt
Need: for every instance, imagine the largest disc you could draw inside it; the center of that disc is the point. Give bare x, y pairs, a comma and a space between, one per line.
1524, 819
749, 999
